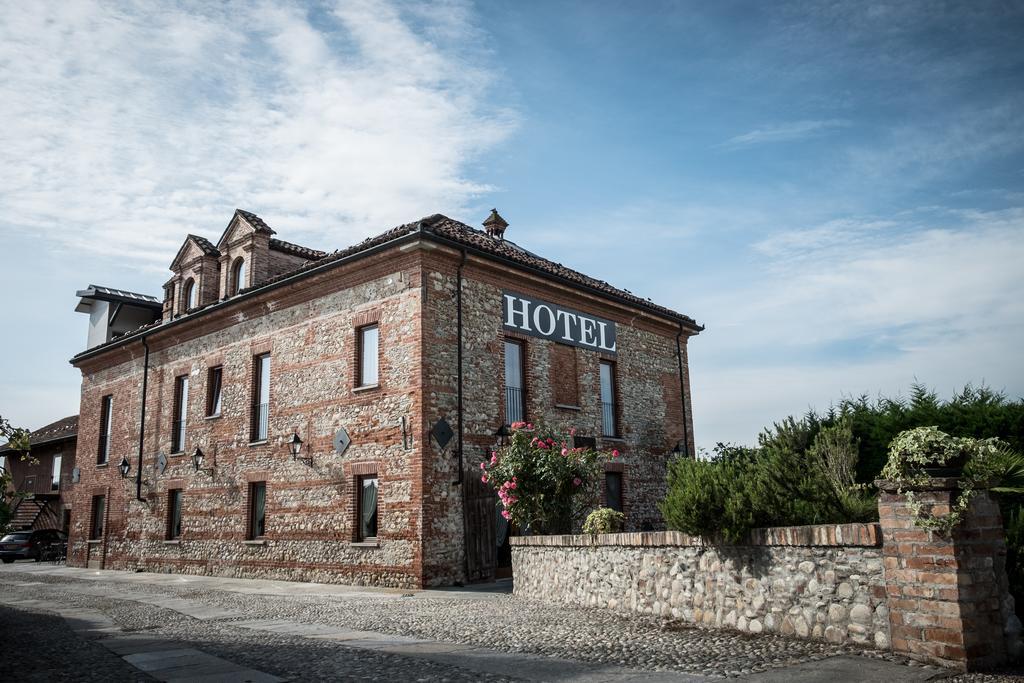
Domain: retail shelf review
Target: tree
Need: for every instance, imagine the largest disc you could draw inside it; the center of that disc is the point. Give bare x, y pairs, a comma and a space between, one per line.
17, 440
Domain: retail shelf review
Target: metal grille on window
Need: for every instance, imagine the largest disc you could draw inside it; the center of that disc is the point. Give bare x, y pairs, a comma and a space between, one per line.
180, 414
261, 405
514, 407
608, 426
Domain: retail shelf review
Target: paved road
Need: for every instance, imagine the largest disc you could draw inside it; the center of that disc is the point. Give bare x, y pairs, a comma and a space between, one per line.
114, 626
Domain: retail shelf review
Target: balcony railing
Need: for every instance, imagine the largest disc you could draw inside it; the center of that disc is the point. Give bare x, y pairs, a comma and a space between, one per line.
514, 411
177, 436
260, 421
608, 427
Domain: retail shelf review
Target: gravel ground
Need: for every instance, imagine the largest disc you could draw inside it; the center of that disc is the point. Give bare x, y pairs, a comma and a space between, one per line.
503, 623
42, 648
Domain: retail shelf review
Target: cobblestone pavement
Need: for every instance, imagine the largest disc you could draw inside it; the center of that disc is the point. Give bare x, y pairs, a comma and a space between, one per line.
235, 611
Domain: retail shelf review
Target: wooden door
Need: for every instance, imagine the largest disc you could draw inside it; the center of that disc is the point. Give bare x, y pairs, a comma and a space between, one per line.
481, 550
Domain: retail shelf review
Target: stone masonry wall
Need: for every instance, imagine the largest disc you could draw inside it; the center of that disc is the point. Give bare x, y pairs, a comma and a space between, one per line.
807, 582
310, 334
647, 374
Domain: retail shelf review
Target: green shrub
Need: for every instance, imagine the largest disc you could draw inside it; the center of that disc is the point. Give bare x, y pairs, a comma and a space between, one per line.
604, 521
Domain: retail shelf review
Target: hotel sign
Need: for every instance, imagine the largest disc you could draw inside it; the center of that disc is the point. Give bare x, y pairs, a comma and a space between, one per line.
545, 320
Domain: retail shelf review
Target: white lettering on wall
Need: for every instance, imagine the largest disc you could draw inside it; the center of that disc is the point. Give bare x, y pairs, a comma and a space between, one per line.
541, 308
511, 312
550, 321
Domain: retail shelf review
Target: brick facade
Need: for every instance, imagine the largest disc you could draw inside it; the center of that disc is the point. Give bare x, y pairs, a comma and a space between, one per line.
308, 324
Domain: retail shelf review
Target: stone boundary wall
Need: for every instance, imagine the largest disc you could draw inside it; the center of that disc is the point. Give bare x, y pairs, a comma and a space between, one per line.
823, 581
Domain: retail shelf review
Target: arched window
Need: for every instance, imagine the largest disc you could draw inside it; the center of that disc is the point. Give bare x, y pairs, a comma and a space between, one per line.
237, 276
188, 296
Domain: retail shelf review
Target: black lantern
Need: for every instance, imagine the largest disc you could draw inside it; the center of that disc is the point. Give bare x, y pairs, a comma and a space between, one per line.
680, 449
197, 461
502, 435
125, 467
295, 446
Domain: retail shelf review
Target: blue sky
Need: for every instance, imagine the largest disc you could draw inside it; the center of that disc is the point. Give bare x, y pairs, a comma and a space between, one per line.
835, 189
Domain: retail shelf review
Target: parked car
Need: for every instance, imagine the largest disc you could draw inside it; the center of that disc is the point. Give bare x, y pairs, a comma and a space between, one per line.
35, 545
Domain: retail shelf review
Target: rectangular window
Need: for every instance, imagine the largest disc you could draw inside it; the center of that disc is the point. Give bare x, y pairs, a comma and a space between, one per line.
257, 509
369, 343
99, 509
106, 420
180, 414
214, 380
368, 508
613, 490
608, 421
515, 406
261, 397
55, 475
173, 514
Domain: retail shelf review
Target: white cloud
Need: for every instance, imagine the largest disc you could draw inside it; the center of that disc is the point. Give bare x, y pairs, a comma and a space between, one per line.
861, 306
126, 126
784, 132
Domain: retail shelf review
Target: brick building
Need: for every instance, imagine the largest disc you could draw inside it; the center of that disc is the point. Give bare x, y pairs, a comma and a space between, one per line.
300, 415
43, 481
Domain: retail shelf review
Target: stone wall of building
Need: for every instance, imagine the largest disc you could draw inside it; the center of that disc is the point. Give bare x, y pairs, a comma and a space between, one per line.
807, 582
310, 334
647, 373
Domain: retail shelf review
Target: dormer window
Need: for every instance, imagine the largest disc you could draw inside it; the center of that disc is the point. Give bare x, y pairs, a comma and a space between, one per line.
237, 276
188, 295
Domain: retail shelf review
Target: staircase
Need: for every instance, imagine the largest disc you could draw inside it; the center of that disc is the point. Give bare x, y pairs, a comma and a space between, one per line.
26, 513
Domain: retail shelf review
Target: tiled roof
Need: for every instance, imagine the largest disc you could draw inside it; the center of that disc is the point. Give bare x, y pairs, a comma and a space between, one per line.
255, 221
296, 250
206, 245
55, 431
452, 231
464, 234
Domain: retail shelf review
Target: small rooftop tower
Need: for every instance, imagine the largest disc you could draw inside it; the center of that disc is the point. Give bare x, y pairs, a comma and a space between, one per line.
495, 225
113, 312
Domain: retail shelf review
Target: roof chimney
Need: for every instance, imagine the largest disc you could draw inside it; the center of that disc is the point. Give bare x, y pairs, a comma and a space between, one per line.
495, 225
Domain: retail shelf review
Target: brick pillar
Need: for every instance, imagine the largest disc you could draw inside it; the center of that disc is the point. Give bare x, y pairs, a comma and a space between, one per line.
948, 596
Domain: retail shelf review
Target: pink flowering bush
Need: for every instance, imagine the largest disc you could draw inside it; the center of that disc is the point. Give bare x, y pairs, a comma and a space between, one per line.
542, 481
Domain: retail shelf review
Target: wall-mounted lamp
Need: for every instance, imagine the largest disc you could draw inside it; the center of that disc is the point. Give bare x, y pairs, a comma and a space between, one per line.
295, 446
502, 435
680, 449
197, 461
125, 467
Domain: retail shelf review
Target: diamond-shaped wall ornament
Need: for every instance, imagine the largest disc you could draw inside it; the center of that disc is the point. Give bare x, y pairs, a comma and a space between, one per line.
442, 433
76, 474
161, 463
341, 441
